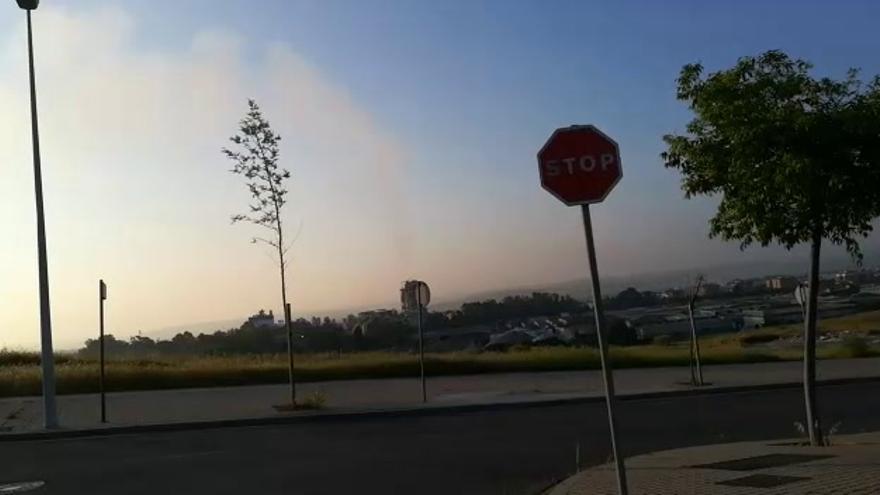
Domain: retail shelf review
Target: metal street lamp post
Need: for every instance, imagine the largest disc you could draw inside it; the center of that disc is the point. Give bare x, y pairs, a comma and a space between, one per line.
50, 417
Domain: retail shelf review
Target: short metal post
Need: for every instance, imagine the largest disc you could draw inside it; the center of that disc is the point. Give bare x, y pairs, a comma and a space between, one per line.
696, 366
290, 375
421, 345
102, 294
603, 351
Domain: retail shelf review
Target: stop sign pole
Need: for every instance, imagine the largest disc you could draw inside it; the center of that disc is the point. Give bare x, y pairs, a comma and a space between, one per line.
580, 165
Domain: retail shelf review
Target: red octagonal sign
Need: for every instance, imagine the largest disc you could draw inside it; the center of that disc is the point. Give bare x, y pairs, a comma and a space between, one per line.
579, 165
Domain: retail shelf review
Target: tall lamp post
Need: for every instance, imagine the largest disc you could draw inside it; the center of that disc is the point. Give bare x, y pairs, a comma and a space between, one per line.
50, 417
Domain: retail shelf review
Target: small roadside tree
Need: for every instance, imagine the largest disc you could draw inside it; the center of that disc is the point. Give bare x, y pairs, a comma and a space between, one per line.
255, 157
794, 159
696, 365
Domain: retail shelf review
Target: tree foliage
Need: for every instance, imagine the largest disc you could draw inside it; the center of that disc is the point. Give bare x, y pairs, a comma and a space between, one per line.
370, 330
510, 307
793, 157
632, 298
255, 157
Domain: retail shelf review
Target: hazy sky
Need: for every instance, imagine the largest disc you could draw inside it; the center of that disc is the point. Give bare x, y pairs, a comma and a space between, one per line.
410, 128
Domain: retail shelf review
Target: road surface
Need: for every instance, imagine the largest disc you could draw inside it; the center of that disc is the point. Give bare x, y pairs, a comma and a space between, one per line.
507, 451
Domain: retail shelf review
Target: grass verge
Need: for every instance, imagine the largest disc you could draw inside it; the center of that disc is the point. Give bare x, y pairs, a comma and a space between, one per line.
20, 372
81, 376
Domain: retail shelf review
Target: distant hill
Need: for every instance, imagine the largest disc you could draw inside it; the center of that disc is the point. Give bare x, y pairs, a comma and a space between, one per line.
580, 288
195, 328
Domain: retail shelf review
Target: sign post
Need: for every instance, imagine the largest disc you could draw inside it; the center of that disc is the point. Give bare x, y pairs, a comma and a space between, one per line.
423, 297
579, 165
800, 296
290, 375
102, 296
414, 297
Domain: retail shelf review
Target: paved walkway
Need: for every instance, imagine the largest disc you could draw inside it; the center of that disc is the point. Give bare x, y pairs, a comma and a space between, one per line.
206, 404
850, 466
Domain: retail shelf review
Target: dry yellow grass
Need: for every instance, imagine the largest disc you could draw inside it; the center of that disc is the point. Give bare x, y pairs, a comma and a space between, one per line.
20, 375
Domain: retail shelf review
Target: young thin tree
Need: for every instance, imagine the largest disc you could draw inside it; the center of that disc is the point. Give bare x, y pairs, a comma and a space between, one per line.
794, 159
696, 366
255, 157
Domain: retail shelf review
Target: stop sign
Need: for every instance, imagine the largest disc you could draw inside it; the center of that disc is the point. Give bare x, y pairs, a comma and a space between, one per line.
579, 165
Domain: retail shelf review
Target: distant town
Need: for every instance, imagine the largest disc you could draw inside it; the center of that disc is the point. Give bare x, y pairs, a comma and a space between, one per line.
540, 319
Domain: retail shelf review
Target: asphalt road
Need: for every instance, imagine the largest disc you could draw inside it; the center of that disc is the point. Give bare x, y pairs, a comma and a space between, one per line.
507, 451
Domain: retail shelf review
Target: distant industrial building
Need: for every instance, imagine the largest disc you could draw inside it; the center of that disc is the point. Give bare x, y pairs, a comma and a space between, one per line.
744, 286
782, 283
679, 326
857, 276
504, 340
762, 317
757, 318
455, 339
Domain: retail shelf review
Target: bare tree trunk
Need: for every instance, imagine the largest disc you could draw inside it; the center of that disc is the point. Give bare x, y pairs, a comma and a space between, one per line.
695, 349
287, 323
696, 368
691, 358
814, 427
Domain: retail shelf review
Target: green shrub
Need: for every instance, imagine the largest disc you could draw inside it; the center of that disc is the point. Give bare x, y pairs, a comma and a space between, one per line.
758, 338
856, 346
315, 400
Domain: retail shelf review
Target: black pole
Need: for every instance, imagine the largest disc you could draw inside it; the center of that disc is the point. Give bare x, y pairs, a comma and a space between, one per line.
601, 337
101, 297
287, 315
691, 349
421, 344
50, 417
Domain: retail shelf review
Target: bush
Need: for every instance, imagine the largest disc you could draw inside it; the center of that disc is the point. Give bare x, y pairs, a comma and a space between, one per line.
856, 347
315, 400
10, 357
758, 338
663, 340
18, 358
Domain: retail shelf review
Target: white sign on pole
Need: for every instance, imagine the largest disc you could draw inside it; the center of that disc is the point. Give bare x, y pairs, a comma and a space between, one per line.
800, 294
423, 294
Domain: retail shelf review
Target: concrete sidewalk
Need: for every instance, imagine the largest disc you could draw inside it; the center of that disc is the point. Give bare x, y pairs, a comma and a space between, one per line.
850, 466
215, 404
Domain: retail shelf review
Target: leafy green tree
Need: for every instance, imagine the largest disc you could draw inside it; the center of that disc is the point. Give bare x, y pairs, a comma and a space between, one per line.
793, 159
255, 157
631, 298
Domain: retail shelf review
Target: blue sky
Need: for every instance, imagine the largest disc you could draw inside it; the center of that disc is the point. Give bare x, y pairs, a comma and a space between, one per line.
411, 128
477, 85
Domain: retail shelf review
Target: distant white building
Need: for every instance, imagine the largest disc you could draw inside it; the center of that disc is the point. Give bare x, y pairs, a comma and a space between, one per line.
262, 319
782, 283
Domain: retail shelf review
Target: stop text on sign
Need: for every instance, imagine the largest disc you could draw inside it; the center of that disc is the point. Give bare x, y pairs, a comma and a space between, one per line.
579, 165
586, 163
